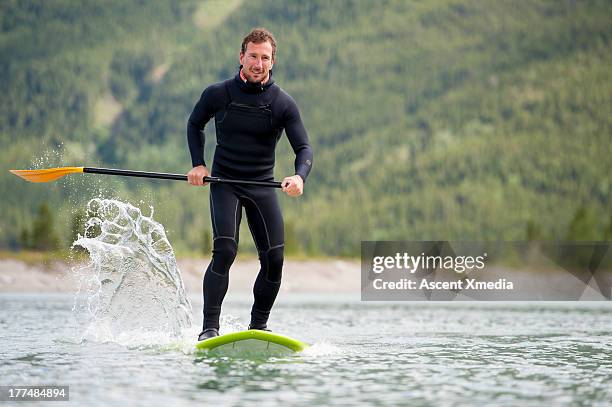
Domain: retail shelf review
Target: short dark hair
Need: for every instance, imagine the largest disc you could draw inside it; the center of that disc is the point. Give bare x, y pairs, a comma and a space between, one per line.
257, 36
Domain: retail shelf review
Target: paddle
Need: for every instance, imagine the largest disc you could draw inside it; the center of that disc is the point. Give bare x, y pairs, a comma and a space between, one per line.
51, 174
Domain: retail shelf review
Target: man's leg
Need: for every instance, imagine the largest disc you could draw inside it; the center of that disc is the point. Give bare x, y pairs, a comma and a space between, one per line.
226, 212
266, 224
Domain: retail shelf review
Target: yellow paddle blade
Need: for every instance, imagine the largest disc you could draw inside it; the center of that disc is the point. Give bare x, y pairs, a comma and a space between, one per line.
46, 175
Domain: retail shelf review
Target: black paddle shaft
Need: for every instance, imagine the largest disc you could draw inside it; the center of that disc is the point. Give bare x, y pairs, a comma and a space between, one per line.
178, 177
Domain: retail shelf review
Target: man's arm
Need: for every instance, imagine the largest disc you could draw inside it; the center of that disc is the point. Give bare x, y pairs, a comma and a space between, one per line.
296, 133
201, 114
298, 138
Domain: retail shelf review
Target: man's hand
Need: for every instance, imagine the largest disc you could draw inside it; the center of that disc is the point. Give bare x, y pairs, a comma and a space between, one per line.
293, 186
197, 174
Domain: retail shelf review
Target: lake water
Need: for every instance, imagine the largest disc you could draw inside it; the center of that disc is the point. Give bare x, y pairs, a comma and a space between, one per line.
362, 353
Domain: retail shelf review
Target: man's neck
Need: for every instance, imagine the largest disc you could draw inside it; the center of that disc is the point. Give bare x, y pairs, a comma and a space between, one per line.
244, 79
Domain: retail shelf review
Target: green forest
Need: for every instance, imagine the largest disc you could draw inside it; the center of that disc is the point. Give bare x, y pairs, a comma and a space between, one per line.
429, 120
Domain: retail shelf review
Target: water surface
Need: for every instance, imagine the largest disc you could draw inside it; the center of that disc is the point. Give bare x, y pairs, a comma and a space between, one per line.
395, 353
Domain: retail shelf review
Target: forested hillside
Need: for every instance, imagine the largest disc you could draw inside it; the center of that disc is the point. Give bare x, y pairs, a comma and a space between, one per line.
438, 119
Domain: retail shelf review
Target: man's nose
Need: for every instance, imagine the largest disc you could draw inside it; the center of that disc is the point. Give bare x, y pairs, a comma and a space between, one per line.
259, 63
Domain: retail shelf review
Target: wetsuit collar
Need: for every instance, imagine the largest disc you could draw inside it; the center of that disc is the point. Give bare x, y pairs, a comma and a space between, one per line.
250, 87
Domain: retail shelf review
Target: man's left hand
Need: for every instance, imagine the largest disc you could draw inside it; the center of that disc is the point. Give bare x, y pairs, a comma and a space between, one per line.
293, 186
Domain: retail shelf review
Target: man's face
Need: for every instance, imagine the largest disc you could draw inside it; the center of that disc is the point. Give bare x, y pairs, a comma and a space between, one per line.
257, 61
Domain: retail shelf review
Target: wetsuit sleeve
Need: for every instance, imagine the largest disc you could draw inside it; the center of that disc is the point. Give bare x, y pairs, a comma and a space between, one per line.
296, 133
201, 114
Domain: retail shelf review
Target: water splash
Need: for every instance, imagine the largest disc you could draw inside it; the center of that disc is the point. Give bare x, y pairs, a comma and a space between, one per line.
51, 157
231, 323
131, 287
321, 349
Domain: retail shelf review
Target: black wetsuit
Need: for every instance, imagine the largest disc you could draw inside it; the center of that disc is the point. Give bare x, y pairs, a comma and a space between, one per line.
249, 120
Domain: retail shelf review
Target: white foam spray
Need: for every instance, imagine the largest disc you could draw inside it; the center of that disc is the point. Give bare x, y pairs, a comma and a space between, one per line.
131, 289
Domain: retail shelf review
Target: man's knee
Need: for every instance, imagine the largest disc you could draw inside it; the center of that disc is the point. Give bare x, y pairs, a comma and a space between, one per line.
274, 264
224, 253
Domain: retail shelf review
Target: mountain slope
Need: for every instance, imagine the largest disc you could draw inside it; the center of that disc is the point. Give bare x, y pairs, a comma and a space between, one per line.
429, 120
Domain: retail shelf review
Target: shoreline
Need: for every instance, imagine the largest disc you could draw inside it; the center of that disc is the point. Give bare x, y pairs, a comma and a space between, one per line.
326, 276
305, 276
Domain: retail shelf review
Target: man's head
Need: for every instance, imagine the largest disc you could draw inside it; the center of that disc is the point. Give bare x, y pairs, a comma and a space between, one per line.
257, 55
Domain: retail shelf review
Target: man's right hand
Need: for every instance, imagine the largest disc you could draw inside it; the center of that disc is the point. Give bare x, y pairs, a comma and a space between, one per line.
197, 174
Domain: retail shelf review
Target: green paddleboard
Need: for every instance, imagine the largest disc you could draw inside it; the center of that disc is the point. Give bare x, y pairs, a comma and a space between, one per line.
252, 342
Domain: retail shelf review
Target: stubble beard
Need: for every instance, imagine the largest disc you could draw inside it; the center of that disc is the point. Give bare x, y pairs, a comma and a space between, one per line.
249, 77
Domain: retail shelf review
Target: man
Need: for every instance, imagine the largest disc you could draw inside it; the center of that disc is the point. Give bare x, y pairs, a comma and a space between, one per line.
250, 113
